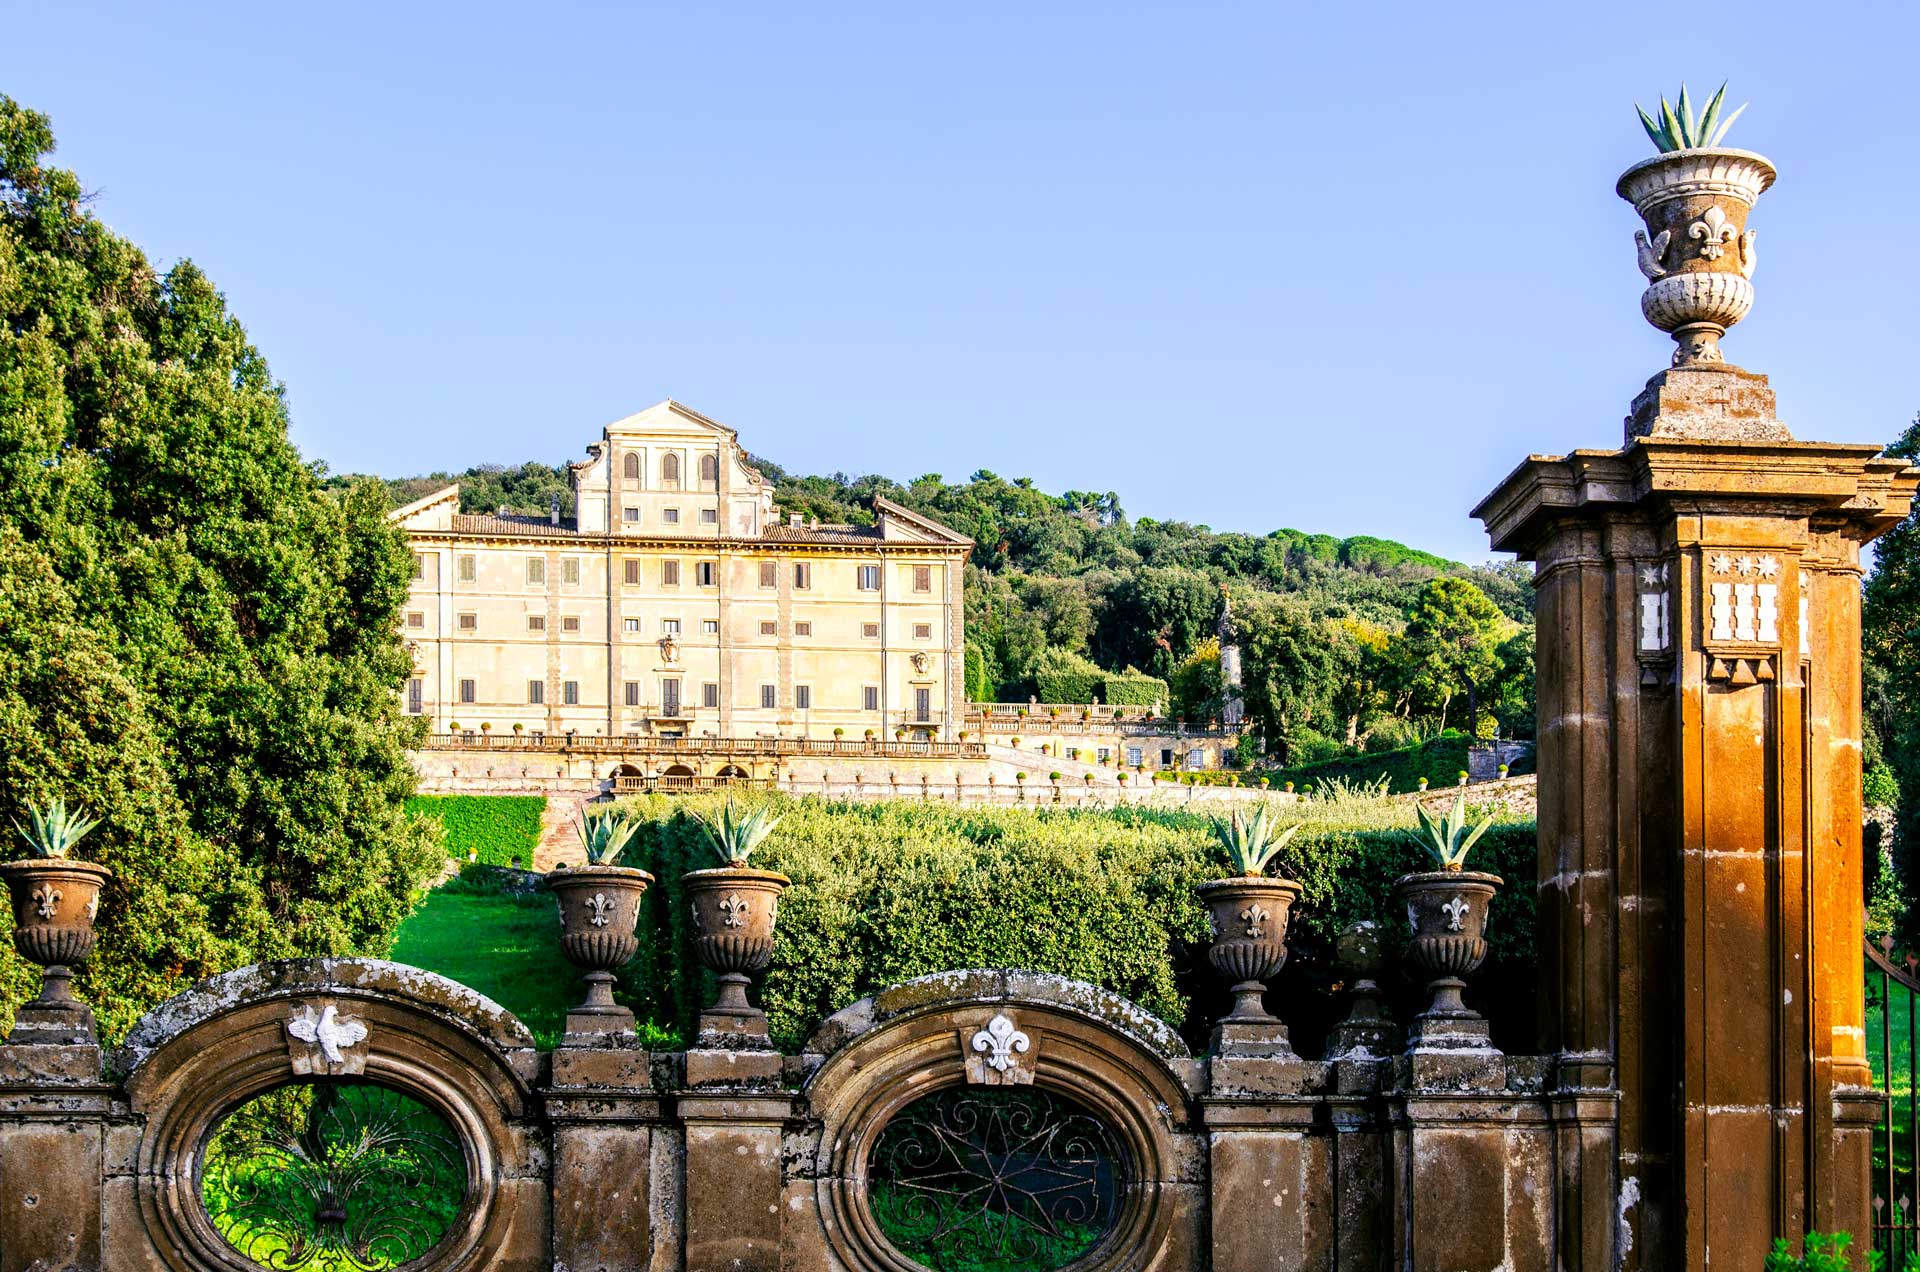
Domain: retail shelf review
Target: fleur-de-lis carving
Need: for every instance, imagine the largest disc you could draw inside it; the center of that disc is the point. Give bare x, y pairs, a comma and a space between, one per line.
1413, 918
599, 903
1456, 912
1001, 1040
1253, 916
93, 906
734, 911
1746, 253
1713, 232
48, 900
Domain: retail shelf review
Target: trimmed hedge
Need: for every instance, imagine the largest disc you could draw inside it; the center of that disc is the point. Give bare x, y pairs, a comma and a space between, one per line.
885, 892
1135, 689
1062, 676
1439, 761
496, 828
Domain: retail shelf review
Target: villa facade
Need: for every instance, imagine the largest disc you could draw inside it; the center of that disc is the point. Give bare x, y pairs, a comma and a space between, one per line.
676, 603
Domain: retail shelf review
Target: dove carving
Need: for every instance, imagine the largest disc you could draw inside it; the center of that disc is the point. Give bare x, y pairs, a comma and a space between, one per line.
1651, 254
328, 1035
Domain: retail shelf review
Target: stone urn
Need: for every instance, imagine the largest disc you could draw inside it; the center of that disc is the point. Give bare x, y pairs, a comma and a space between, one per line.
54, 900
599, 906
1247, 916
1367, 1033
1696, 252
1447, 921
734, 911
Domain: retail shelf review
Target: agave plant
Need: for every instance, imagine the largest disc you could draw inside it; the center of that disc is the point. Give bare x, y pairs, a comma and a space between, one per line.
55, 829
735, 834
606, 835
1449, 839
1251, 842
1680, 128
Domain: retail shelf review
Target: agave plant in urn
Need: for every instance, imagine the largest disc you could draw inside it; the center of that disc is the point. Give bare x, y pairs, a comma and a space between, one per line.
1698, 257
55, 899
599, 905
1247, 916
1447, 920
734, 909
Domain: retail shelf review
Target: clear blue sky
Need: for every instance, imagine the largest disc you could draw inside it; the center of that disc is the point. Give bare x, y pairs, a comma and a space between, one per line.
1336, 267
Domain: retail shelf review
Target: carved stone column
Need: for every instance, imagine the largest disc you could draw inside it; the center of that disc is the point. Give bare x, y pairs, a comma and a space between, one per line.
53, 1111
613, 1164
1699, 810
734, 1113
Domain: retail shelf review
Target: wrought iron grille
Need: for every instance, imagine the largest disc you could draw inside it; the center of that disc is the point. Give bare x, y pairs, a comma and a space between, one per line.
1893, 1043
333, 1177
995, 1179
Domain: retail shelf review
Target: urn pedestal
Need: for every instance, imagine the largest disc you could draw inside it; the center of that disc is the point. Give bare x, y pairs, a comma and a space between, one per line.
734, 912
599, 906
1248, 919
54, 904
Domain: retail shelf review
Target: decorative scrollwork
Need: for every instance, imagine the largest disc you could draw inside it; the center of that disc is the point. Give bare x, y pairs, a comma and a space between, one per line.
333, 1177
995, 1178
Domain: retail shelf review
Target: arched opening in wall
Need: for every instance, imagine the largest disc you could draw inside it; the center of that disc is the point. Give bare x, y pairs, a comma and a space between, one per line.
731, 773
709, 470
996, 1176
677, 777
630, 467
333, 1174
670, 469
627, 779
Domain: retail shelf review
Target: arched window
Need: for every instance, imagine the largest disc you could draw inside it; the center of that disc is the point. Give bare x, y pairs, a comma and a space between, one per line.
670, 468
709, 469
632, 467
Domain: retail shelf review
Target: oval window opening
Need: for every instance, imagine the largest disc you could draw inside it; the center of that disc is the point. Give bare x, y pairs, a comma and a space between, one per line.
333, 1177
999, 1179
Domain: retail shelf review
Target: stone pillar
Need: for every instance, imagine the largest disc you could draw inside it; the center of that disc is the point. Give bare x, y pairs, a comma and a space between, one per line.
612, 1192
1271, 1173
1698, 614
53, 1111
734, 1110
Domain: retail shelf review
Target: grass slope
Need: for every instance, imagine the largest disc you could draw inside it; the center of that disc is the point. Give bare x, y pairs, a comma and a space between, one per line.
502, 945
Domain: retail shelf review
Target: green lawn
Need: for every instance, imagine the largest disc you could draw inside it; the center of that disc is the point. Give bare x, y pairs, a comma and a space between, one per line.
506, 947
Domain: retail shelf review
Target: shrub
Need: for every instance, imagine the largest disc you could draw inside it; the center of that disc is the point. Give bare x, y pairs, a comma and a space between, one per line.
1826, 1252
1131, 688
1879, 788
1438, 761
496, 828
886, 892
1060, 675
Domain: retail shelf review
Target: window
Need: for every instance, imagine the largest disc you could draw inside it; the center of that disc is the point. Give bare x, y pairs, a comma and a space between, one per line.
570, 623
923, 631
671, 516
1134, 757
536, 622
630, 572
630, 515
769, 574
922, 706
630, 624
416, 690
803, 697
669, 627
923, 578
709, 516
709, 469
570, 569
803, 574
869, 578
468, 622
769, 697
710, 696
803, 629
536, 692
570, 692
630, 467
536, 571
1103, 754
466, 569
710, 626
871, 631
1166, 757
769, 629
466, 691
670, 467
669, 574
670, 697
416, 619
633, 693
706, 573
419, 565
870, 698
1196, 758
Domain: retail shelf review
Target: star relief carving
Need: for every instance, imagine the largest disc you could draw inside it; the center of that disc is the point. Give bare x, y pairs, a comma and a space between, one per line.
1768, 567
1653, 575
1721, 563
1744, 565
